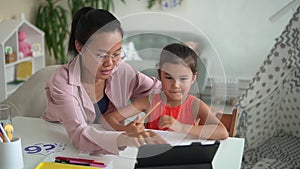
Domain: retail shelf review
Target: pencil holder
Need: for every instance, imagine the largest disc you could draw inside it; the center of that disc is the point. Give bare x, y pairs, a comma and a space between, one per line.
11, 154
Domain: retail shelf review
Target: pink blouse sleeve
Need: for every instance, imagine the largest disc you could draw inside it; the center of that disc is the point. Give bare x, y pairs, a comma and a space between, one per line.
65, 105
145, 86
140, 85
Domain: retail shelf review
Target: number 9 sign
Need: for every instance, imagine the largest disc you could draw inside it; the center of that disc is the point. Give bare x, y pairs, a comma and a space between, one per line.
44, 148
33, 149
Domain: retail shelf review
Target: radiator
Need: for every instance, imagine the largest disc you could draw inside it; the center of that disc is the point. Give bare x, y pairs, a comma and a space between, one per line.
220, 90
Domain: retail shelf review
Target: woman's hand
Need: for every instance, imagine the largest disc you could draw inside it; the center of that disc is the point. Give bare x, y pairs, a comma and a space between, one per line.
139, 139
169, 122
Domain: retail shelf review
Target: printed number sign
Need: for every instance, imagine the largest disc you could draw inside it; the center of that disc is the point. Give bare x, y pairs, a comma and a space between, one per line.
44, 148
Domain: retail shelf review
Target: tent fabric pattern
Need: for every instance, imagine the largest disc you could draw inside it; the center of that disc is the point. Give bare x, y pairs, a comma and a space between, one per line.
271, 104
281, 151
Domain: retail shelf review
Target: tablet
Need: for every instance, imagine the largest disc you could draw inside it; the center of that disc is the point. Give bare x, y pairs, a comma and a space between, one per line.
165, 156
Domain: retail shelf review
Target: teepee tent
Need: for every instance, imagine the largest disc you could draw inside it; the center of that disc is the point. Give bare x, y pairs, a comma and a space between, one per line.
270, 108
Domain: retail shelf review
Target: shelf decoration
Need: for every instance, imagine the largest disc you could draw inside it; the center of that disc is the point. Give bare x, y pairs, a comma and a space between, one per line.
168, 4
24, 71
36, 49
10, 55
24, 46
165, 4
14, 32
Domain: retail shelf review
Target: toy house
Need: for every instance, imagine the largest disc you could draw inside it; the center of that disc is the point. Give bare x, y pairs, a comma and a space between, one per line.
15, 66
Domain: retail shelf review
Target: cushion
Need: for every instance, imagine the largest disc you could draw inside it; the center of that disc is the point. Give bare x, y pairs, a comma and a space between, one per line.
30, 98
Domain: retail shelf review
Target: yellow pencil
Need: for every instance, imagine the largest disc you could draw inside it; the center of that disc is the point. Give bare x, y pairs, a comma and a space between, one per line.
9, 130
149, 112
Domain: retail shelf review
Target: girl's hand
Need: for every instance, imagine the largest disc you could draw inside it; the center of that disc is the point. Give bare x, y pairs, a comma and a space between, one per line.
134, 128
170, 122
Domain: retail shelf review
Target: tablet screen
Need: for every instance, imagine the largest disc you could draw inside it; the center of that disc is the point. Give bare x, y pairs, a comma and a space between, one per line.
166, 155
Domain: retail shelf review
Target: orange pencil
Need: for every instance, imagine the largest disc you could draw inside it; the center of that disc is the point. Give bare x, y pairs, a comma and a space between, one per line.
2, 137
149, 112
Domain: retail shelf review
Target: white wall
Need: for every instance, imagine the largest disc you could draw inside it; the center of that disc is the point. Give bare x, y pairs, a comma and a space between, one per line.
240, 30
12, 8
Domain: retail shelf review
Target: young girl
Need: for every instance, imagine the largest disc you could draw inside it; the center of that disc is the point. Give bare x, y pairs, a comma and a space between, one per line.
173, 109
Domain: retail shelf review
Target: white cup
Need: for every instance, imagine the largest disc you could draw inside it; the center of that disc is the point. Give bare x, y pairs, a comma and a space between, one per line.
11, 156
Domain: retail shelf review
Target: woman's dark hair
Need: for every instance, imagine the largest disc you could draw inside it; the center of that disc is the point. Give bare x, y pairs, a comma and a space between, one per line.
87, 21
176, 53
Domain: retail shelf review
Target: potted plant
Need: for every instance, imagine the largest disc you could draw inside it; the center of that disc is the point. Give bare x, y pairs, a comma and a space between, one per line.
52, 18
75, 5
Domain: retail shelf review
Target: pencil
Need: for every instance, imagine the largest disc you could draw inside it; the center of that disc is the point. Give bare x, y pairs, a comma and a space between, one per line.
9, 130
149, 112
2, 139
4, 134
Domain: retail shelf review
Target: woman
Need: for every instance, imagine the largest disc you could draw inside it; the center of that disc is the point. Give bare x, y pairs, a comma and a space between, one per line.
95, 82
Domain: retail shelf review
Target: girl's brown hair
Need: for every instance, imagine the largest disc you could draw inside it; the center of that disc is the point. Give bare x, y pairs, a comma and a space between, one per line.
176, 53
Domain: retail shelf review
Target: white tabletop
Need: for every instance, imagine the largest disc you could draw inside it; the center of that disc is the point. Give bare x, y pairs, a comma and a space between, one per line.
34, 131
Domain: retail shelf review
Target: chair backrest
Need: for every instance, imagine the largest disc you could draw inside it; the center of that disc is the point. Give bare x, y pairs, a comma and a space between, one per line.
30, 98
229, 121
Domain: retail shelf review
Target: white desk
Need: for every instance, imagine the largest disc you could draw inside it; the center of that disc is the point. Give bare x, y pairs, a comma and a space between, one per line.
35, 130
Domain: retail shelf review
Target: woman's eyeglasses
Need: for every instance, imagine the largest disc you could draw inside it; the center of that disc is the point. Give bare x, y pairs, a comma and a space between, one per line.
119, 55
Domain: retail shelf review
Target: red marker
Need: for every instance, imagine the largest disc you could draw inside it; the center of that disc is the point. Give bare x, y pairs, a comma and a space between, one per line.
79, 161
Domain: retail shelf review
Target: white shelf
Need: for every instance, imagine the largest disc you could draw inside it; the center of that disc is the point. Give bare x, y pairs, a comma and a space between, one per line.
12, 88
18, 61
9, 37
